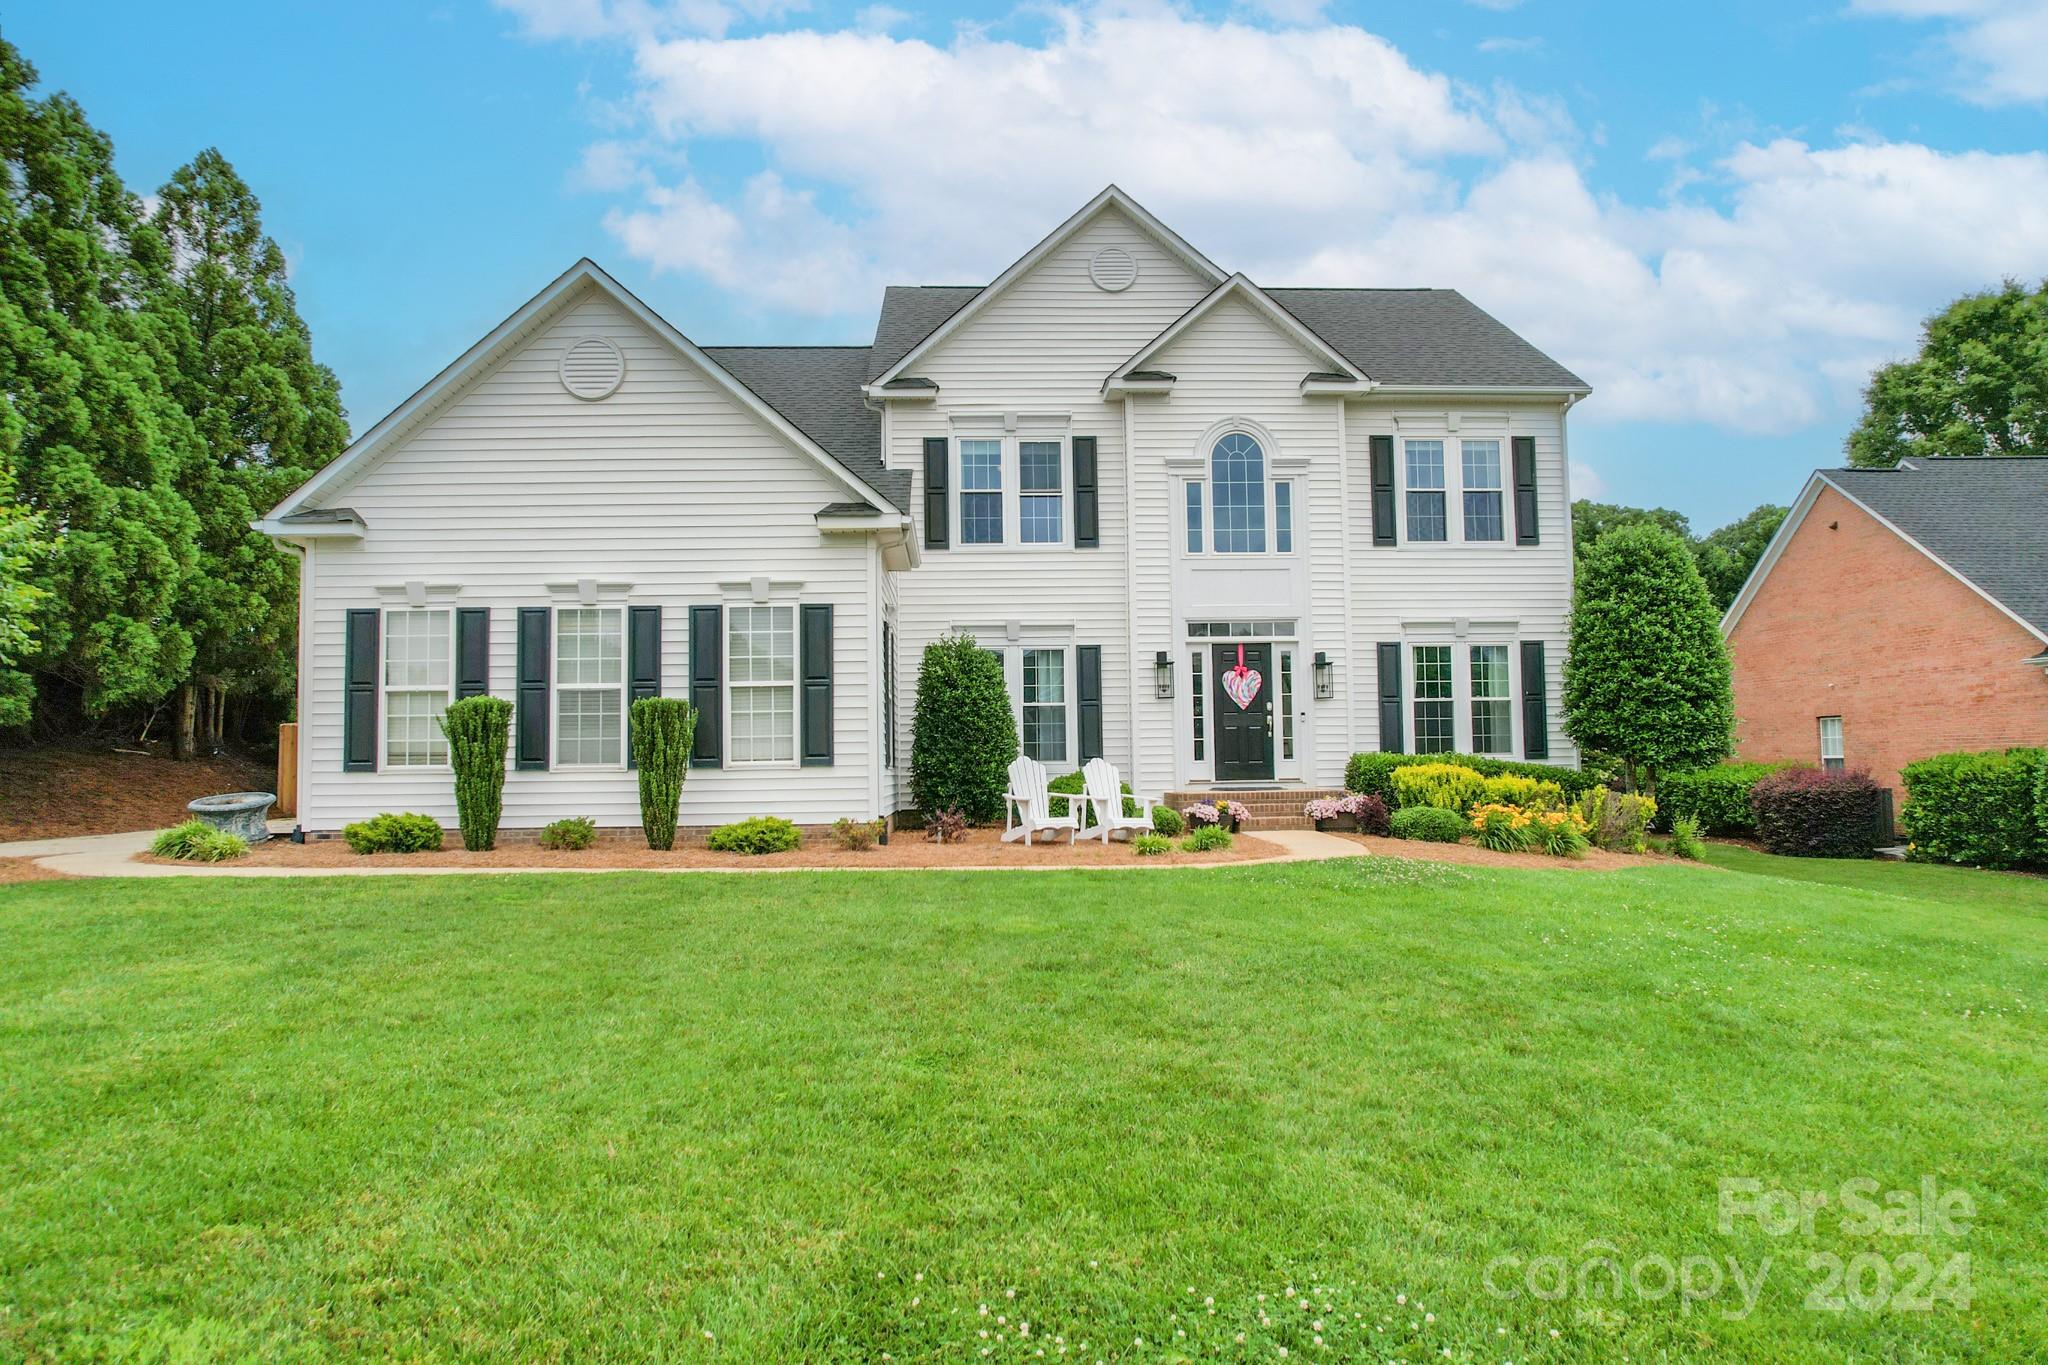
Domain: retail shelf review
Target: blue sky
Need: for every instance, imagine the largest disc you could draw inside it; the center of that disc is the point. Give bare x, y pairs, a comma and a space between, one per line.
1721, 215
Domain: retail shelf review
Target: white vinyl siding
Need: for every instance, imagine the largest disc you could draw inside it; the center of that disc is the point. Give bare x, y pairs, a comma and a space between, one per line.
418, 678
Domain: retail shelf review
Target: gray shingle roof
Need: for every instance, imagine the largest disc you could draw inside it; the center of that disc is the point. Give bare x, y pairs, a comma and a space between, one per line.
910, 313
817, 388
1422, 336
1395, 336
1985, 518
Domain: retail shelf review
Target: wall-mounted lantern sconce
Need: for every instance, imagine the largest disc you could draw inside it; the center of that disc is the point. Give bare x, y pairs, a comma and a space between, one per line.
1162, 675
1326, 686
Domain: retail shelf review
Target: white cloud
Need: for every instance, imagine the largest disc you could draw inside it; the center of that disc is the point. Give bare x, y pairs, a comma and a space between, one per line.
1492, 45
1586, 482
1995, 46
880, 18
1320, 156
584, 19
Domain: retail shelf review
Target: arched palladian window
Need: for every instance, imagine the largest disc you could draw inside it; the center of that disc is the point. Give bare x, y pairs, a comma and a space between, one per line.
1237, 480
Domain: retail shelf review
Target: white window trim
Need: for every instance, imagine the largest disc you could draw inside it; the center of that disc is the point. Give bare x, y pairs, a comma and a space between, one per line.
1841, 742
1012, 467
556, 687
1461, 688
1454, 488
1069, 760
795, 758
385, 689
1295, 511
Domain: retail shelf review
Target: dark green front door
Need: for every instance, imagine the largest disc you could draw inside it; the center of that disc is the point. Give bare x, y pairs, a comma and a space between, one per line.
1244, 722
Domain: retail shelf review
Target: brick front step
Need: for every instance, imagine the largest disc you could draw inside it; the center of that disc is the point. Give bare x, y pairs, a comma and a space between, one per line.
1277, 809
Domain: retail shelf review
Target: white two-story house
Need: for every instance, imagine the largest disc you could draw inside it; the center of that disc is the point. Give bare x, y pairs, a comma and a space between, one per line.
1222, 535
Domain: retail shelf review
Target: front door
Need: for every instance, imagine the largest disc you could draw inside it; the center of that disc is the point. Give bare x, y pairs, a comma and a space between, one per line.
1243, 707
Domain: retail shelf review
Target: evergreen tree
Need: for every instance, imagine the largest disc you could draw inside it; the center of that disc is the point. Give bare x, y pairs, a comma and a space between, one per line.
99, 446
1978, 387
1647, 679
268, 415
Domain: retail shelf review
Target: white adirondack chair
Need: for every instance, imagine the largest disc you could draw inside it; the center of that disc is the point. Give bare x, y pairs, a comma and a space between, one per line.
1027, 806
1105, 797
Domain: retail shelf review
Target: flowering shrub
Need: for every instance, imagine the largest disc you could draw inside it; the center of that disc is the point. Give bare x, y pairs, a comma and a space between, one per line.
1560, 833
1504, 829
1368, 811
1813, 813
1447, 786
1216, 813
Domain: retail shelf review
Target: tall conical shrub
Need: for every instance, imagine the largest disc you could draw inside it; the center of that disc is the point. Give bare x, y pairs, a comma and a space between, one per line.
662, 730
966, 737
479, 730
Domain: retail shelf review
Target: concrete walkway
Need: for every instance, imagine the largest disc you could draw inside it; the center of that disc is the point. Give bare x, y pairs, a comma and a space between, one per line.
110, 855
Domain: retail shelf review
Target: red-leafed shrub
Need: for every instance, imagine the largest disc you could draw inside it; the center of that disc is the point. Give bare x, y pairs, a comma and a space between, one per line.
1815, 813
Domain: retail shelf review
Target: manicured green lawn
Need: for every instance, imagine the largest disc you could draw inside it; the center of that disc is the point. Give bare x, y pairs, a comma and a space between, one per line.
736, 1118
1920, 881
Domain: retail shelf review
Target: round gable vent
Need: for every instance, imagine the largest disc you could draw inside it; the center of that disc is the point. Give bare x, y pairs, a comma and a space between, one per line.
593, 368
1113, 269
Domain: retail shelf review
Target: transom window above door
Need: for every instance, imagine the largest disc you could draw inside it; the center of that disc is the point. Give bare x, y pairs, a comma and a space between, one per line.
1238, 509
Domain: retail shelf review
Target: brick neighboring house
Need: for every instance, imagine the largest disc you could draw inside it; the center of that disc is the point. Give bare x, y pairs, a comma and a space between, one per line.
1898, 613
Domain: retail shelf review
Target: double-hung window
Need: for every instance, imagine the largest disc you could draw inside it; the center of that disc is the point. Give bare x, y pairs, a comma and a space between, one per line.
1038, 493
761, 674
1044, 727
1426, 517
1492, 714
981, 491
1435, 714
1831, 754
590, 687
1483, 507
418, 665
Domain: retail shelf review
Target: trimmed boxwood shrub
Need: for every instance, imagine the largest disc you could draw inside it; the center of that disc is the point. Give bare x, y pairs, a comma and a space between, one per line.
662, 729
570, 835
1811, 813
762, 834
479, 729
1429, 824
1717, 797
1985, 809
1168, 822
389, 833
1073, 784
1447, 786
965, 736
1374, 773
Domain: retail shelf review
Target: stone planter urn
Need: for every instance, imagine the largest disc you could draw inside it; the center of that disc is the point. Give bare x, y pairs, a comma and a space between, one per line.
241, 813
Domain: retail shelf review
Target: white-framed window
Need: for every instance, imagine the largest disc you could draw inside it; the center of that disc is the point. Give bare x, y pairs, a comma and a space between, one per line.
981, 491
1198, 691
1240, 507
1484, 511
1194, 504
590, 687
1042, 721
1425, 468
1831, 754
1436, 708
419, 671
1283, 517
1039, 494
1493, 717
760, 672
1286, 704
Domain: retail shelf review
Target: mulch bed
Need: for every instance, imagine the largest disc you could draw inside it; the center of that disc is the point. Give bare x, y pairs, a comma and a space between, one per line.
29, 870
980, 848
55, 790
1596, 859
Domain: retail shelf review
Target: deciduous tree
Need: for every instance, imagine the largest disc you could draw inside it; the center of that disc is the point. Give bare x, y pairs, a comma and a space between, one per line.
1979, 385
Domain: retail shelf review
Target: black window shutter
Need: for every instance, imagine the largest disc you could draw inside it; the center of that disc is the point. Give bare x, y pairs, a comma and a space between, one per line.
643, 663
1535, 702
1382, 490
1390, 695
707, 657
530, 745
1525, 492
1087, 500
816, 668
359, 701
472, 651
935, 533
1088, 690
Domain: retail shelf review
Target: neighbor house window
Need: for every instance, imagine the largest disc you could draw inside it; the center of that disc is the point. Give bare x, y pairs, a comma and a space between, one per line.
1238, 474
1435, 717
1044, 727
1038, 492
1831, 742
1482, 490
418, 665
981, 492
1194, 499
761, 681
1492, 716
590, 684
1426, 519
